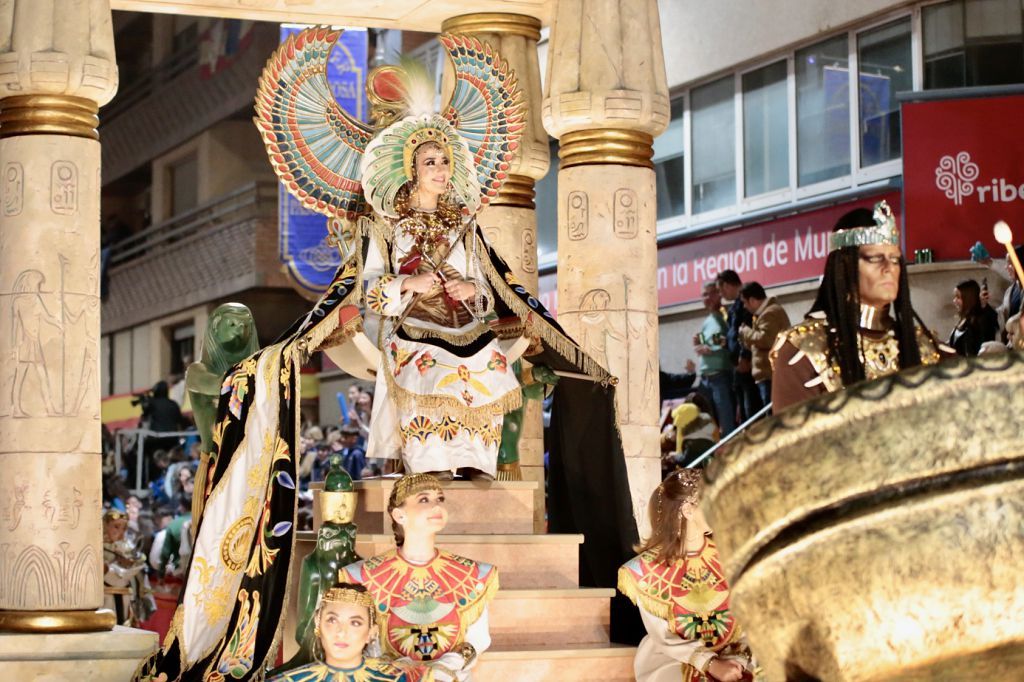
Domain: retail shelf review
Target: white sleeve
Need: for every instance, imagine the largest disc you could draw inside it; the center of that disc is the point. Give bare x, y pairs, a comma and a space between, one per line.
479, 635
383, 290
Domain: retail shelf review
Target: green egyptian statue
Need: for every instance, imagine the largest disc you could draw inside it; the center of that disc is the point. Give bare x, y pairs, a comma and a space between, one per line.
335, 549
230, 337
534, 382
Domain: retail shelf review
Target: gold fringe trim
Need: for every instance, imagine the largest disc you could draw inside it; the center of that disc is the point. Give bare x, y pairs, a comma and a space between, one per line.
436, 406
325, 330
509, 472
536, 325
455, 339
471, 612
628, 586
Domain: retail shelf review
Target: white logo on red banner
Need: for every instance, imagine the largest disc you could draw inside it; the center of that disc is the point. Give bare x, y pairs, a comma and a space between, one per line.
955, 176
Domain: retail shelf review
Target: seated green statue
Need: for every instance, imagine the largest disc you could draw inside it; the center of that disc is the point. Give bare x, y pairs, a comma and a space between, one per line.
534, 382
230, 338
335, 548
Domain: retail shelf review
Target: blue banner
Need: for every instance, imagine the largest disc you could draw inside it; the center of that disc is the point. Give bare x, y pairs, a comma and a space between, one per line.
309, 260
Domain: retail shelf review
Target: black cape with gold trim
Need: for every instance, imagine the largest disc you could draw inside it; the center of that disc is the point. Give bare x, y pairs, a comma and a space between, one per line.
254, 543
231, 604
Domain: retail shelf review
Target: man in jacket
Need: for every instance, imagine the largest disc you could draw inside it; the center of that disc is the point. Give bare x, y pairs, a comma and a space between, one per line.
769, 319
747, 398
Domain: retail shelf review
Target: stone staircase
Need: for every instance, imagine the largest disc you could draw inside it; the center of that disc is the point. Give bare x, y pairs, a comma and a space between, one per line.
544, 626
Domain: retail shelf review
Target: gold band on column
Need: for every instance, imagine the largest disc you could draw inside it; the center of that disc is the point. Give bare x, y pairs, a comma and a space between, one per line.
606, 145
43, 622
49, 115
494, 22
516, 191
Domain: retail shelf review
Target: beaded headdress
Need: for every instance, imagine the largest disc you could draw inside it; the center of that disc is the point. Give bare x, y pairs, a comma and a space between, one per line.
689, 480
334, 164
345, 594
884, 231
410, 485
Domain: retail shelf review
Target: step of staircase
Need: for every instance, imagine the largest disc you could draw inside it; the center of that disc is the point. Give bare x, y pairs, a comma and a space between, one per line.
537, 618
524, 561
599, 662
473, 508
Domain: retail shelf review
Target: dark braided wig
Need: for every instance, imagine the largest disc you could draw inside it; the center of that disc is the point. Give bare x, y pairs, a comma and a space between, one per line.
839, 298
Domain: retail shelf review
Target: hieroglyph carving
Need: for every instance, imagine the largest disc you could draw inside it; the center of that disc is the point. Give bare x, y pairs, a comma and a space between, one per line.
13, 188
13, 504
33, 577
64, 508
64, 188
630, 357
529, 250
50, 374
578, 215
625, 219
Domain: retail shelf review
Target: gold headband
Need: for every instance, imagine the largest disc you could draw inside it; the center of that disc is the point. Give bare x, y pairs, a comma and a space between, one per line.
884, 231
418, 139
114, 515
410, 485
344, 594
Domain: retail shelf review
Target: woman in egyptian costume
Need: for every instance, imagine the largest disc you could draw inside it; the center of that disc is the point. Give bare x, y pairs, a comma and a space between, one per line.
678, 584
345, 627
862, 325
229, 610
432, 604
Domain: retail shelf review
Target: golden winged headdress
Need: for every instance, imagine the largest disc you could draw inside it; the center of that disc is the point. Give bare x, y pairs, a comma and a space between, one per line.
335, 164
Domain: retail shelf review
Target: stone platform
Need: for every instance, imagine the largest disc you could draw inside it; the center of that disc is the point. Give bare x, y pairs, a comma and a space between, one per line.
83, 657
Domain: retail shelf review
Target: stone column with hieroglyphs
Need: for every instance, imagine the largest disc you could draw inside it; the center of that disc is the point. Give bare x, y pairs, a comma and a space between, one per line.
510, 220
57, 67
606, 98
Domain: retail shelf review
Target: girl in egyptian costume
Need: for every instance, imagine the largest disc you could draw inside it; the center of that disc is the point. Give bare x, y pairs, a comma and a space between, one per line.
677, 582
861, 325
345, 623
431, 604
437, 286
408, 195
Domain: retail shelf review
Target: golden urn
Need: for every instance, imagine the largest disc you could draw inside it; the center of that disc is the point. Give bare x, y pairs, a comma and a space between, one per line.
877, 533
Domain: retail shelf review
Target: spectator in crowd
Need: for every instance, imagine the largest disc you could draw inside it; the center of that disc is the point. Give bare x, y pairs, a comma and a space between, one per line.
692, 430
163, 414
353, 457
974, 326
715, 366
1012, 297
747, 398
674, 386
176, 548
768, 320
322, 459
363, 410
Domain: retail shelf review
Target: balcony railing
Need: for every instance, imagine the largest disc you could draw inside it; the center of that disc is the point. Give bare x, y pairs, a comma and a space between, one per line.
255, 199
186, 57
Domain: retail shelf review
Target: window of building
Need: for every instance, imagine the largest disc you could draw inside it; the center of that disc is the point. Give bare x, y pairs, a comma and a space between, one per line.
183, 344
885, 68
765, 130
669, 168
546, 201
713, 141
972, 43
823, 111
183, 182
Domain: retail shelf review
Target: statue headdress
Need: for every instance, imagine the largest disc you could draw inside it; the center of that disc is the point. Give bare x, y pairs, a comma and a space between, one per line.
334, 164
884, 231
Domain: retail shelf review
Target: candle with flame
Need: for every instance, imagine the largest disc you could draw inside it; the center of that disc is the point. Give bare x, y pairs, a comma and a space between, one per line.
1004, 236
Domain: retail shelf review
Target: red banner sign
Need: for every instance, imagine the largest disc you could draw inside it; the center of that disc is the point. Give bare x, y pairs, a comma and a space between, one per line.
963, 169
776, 252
